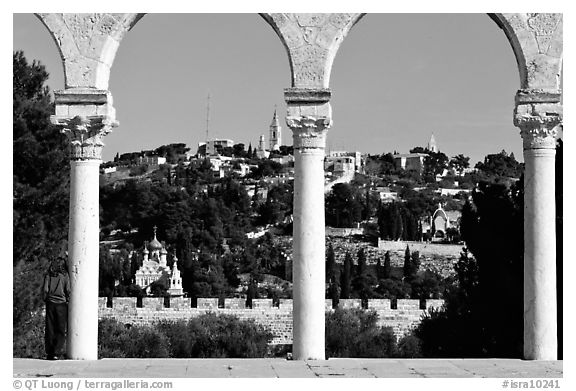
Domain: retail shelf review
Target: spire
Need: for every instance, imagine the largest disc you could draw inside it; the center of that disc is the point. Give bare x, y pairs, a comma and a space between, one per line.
274, 118
275, 132
432, 144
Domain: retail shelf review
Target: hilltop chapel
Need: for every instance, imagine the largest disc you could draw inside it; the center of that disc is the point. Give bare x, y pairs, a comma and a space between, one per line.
154, 268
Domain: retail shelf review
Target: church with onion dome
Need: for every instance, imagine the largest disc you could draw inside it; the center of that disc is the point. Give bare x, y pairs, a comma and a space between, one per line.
154, 268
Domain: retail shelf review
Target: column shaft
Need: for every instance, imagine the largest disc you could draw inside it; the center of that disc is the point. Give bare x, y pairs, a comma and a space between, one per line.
83, 258
309, 255
540, 339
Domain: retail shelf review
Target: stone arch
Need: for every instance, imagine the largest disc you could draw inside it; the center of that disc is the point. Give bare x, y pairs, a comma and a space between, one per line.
311, 41
87, 44
536, 40
444, 222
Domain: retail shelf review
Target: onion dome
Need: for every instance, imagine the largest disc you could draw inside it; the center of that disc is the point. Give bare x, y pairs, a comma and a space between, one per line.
155, 244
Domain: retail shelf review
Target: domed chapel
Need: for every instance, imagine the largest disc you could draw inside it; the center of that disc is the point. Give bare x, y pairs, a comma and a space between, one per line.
154, 268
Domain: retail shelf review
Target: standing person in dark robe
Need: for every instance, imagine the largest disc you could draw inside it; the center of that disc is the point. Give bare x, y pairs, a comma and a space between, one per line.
56, 294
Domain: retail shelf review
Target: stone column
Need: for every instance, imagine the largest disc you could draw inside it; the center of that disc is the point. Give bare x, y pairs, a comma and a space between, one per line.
85, 133
538, 116
309, 122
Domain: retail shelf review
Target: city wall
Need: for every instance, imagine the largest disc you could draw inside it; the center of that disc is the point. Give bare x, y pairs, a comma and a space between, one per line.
404, 317
424, 248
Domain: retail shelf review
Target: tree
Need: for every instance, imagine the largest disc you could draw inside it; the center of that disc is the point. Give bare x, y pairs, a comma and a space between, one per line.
396, 221
419, 150
40, 186
332, 276
346, 277
459, 163
471, 326
387, 271
500, 165
434, 164
266, 168
343, 206
411, 264
363, 280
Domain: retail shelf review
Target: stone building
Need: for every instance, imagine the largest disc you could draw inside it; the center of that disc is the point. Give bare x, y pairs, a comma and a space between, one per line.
437, 225
261, 151
212, 147
343, 163
155, 269
275, 133
410, 161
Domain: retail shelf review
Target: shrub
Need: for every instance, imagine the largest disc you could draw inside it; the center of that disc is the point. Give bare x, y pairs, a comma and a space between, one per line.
409, 346
355, 333
116, 340
29, 337
207, 336
178, 336
227, 336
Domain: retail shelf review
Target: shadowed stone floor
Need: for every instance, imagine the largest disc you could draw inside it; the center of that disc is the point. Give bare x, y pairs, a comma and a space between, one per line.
281, 368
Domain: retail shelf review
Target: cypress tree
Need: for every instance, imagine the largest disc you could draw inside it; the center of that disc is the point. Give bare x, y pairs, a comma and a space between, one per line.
331, 276
414, 264
346, 277
379, 270
363, 280
387, 270
407, 262
361, 269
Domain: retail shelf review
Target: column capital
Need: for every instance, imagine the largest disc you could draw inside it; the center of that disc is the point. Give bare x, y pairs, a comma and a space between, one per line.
309, 131
85, 134
538, 123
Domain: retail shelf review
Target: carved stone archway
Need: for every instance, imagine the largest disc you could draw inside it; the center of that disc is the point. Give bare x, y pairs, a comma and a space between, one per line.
88, 44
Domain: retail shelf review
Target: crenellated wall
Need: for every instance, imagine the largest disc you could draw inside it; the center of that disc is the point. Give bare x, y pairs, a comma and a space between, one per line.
278, 318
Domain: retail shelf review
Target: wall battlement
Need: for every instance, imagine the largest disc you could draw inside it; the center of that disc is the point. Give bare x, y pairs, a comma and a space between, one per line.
402, 319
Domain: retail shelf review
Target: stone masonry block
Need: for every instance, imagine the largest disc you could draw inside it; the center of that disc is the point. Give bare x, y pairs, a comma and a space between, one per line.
350, 303
408, 304
286, 304
62, 110
211, 303
327, 304
377, 304
154, 303
102, 302
234, 303
84, 110
261, 303
180, 302
123, 302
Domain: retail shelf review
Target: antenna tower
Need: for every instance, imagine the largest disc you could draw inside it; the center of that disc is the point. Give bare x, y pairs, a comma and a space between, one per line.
207, 117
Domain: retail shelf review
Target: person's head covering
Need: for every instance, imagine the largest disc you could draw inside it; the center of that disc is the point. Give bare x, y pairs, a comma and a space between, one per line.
57, 266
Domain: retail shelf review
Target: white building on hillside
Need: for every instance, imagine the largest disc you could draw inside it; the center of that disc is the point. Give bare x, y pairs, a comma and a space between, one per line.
154, 268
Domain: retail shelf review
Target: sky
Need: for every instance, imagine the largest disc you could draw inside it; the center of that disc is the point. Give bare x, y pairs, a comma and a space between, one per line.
396, 80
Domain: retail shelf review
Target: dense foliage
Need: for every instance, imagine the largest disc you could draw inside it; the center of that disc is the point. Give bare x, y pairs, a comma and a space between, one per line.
207, 336
355, 333
40, 187
488, 293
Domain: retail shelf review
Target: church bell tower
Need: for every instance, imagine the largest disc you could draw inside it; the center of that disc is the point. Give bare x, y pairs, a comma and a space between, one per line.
275, 133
